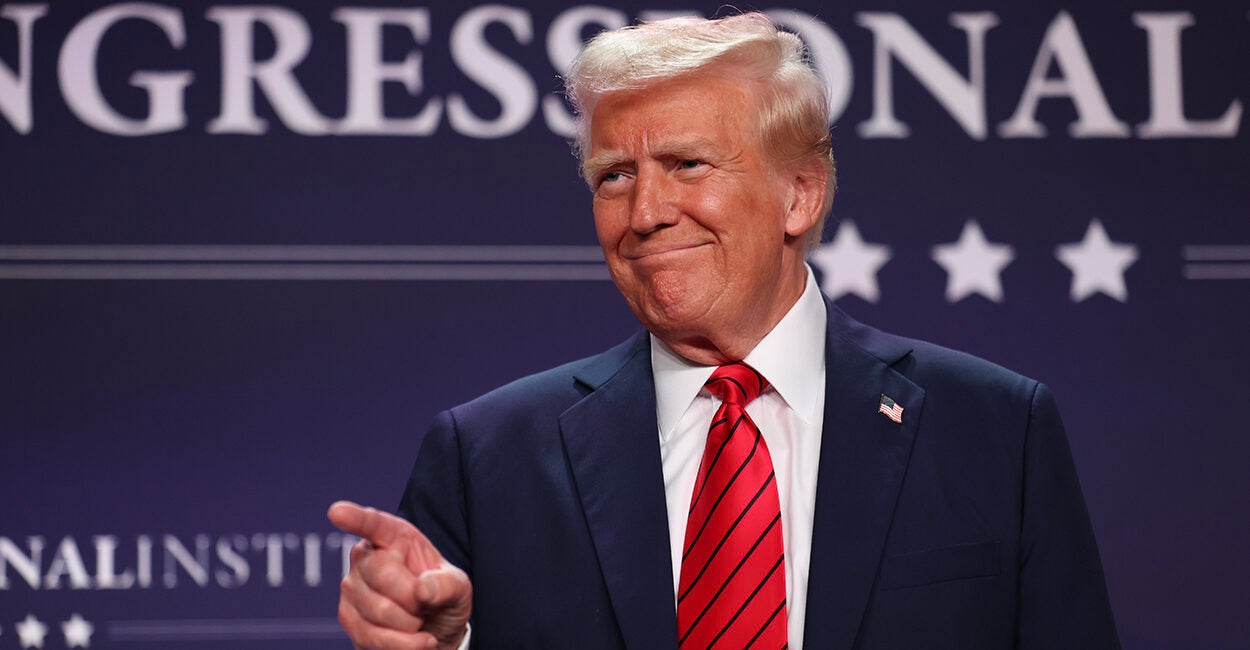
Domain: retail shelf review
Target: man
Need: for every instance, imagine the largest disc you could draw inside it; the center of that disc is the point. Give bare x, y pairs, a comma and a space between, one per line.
757, 471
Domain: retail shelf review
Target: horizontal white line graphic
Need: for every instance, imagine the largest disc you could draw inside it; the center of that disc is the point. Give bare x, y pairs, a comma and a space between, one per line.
1217, 253
228, 629
298, 253
303, 271
300, 262
1217, 271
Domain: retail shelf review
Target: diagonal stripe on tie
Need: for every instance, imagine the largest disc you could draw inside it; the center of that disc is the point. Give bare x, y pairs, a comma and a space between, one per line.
724, 538
714, 464
706, 517
736, 618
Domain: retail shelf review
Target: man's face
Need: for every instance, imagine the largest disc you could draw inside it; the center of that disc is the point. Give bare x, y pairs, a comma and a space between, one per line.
700, 230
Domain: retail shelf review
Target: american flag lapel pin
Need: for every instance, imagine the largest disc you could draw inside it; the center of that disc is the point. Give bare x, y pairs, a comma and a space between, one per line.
891, 409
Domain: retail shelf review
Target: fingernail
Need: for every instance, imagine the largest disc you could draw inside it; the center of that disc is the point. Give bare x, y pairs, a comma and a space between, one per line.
429, 588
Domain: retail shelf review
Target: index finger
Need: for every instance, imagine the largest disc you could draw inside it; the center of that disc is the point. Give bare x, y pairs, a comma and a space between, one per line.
382, 529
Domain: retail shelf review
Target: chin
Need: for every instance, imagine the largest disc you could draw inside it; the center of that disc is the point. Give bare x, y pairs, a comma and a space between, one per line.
669, 299
672, 320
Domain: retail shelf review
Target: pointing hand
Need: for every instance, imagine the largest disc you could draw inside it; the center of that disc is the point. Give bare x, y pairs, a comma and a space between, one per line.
400, 593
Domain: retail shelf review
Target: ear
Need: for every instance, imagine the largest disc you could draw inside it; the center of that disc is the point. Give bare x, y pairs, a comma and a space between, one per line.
807, 198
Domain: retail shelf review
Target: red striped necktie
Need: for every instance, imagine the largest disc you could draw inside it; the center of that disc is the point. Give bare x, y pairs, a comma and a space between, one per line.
732, 593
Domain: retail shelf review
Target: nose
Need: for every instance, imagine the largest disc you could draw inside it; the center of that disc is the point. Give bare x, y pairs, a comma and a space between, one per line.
653, 206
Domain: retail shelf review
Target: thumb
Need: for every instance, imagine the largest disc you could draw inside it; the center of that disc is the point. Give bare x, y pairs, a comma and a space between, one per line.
444, 588
445, 600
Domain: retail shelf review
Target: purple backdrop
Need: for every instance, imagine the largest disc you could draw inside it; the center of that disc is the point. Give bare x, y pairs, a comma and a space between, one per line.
249, 251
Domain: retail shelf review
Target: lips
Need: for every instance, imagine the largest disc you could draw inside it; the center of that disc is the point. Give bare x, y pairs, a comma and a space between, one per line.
656, 253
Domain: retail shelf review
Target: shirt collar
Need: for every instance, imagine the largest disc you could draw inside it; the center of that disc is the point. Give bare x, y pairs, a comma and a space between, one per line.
791, 357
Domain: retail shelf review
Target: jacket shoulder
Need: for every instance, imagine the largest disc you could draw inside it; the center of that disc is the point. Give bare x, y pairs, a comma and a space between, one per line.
549, 392
932, 367
935, 367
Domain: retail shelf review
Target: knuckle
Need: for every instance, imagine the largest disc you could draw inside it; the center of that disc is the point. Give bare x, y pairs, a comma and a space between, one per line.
375, 609
349, 588
360, 550
352, 624
347, 616
389, 573
370, 638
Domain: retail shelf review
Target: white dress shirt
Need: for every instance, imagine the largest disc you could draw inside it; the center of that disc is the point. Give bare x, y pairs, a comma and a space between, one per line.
789, 415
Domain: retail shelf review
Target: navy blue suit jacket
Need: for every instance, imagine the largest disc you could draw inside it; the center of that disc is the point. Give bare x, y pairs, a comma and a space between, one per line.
961, 528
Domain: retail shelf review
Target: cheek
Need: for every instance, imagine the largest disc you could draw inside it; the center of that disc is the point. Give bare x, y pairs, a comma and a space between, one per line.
735, 212
710, 204
608, 227
763, 220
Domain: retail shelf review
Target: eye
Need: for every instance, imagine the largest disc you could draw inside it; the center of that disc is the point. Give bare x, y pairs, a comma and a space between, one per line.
611, 183
690, 164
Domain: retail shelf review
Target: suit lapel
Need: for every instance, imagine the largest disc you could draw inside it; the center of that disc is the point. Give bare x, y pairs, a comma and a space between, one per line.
863, 458
613, 448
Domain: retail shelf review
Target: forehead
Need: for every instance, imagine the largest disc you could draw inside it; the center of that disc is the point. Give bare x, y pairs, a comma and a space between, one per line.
704, 109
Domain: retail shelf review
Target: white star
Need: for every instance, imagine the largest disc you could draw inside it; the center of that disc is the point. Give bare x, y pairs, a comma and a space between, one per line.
849, 265
31, 631
973, 264
1097, 264
77, 632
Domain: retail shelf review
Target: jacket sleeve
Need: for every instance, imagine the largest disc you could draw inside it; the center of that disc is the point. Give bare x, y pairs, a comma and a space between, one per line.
1063, 594
434, 499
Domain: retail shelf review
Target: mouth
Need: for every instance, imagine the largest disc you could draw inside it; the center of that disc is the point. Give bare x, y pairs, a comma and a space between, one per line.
656, 254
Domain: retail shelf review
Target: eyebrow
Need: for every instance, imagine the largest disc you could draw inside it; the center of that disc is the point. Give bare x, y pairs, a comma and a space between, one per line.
592, 166
691, 148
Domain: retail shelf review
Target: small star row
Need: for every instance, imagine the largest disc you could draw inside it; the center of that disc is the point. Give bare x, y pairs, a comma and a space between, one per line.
973, 264
31, 632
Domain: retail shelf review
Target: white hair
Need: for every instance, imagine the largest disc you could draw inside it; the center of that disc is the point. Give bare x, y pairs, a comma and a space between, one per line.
793, 121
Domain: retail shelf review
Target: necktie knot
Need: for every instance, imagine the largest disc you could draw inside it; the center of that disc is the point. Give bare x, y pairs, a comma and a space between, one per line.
736, 383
